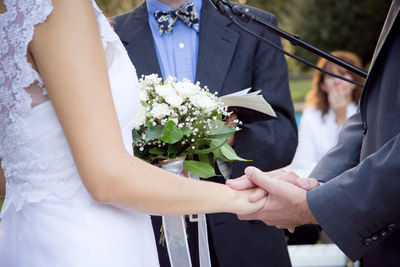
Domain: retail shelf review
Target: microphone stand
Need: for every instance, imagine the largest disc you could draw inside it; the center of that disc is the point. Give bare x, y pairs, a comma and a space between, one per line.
232, 11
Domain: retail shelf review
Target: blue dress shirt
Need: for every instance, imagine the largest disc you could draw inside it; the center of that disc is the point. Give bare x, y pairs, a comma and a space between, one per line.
176, 51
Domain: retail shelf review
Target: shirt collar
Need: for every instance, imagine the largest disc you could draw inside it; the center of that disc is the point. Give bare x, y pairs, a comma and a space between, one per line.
155, 5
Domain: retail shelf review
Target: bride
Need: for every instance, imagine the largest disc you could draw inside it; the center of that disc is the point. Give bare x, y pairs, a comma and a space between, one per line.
75, 195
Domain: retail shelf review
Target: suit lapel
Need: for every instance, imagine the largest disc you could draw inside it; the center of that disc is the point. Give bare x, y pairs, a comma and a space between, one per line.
217, 45
391, 17
139, 43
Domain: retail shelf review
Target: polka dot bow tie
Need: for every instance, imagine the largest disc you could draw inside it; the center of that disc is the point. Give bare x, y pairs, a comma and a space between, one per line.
167, 19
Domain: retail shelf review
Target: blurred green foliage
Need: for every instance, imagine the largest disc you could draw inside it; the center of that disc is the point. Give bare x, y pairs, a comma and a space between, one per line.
299, 89
352, 25
115, 7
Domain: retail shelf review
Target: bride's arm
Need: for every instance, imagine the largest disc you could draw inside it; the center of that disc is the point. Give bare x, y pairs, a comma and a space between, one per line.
2, 182
70, 58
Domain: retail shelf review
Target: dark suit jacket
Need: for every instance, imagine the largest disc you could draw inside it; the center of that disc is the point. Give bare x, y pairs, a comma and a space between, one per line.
359, 208
230, 60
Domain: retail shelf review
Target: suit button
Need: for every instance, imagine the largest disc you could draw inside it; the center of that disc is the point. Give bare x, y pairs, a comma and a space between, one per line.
367, 241
391, 227
384, 233
364, 128
374, 237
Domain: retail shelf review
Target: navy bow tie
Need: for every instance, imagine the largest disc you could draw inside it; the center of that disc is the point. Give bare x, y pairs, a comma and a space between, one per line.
167, 19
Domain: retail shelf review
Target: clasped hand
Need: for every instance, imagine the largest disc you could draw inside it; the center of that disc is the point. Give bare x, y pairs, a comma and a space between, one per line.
286, 203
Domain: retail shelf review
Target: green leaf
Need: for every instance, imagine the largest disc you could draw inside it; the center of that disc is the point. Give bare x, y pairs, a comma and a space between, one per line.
214, 144
148, 124
218, 154
201, 169
230, 154
216, 127
171, 133
172, 149
135, 136
157, 151
186, 131
226, 131
154, 132
203, 158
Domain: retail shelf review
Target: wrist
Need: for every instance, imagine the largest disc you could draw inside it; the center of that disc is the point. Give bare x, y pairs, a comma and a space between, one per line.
229, 201
309, 216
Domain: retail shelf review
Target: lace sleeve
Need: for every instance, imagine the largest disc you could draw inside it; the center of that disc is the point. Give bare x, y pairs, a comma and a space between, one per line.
16, 73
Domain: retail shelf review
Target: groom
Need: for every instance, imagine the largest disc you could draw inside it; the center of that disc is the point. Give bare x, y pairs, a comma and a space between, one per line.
207, 47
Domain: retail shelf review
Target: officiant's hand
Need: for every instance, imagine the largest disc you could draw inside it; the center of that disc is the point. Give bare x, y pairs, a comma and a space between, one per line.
231, 122
286, 205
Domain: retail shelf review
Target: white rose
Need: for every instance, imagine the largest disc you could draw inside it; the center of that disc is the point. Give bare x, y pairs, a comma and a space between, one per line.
203, 101
159, 111
174, 100
140, 118
165, 90
187, 89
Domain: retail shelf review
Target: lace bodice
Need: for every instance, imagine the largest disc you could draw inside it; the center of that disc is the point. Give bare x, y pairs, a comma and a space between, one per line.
35, 155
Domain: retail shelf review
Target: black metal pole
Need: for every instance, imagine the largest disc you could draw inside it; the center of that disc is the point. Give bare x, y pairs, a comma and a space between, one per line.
234, 11
295, 40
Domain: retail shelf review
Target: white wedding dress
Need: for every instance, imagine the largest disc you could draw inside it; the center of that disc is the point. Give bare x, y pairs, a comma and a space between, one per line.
48, 218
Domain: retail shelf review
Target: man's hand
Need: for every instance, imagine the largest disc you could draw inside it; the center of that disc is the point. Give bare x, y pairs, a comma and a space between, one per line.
231, 123
286, 205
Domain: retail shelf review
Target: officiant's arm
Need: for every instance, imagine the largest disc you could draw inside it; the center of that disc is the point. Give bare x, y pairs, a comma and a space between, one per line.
361, 201
270, 143
345, 154
79, 88
2, 182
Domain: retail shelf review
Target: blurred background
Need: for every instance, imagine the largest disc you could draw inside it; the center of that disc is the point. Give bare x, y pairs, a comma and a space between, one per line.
351, 25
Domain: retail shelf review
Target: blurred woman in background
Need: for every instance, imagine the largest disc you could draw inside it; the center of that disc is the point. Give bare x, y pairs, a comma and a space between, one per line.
329, 103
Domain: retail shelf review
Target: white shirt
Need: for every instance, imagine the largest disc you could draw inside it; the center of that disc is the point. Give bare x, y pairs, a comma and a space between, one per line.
317, 135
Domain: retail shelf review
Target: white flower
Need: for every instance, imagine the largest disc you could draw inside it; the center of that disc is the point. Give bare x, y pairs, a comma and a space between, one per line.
170, 80
160, 111
174, 100
140, 118
183, 110
143, 95
203, 101
149, 81
165, 90
186, 88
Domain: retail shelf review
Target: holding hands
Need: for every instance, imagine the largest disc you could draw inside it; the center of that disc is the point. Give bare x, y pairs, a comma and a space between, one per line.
286, 204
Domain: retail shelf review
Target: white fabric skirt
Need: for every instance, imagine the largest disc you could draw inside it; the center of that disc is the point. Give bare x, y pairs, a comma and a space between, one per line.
75, 232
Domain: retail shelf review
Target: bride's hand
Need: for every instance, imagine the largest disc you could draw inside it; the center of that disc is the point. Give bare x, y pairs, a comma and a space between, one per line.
243, 205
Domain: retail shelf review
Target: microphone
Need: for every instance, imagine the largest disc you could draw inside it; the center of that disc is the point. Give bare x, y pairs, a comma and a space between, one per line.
224, 7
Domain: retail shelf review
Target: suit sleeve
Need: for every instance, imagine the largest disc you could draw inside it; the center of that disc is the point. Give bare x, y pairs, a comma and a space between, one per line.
345, 155
270, 143
360, 207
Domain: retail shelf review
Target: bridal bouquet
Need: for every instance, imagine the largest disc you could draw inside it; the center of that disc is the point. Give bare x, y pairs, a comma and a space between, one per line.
182, 120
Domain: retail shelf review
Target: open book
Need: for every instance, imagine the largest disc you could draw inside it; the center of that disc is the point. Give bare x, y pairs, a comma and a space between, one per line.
252, 100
